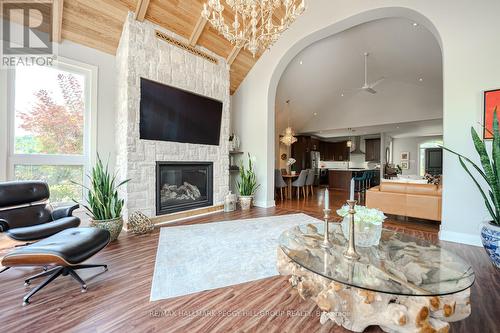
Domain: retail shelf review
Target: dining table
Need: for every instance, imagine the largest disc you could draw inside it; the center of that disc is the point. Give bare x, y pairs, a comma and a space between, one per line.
289, 178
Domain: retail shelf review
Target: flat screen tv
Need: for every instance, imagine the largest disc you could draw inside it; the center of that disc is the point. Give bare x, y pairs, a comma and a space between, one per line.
172, 114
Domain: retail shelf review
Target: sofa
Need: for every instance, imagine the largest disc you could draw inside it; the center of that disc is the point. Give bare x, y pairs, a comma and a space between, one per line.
406, 199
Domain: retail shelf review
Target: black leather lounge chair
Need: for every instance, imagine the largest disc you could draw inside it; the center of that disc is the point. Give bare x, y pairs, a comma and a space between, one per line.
25, 215
66, 250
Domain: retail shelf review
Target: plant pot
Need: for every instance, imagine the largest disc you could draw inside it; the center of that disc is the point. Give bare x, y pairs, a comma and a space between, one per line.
245, 202
490, 236
365, 234
114, 226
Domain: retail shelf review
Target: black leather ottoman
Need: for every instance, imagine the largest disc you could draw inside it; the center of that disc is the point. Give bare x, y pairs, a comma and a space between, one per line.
66, 249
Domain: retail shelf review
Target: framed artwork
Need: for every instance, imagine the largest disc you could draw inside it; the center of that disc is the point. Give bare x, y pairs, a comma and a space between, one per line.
405, 155
491, 101
405, 165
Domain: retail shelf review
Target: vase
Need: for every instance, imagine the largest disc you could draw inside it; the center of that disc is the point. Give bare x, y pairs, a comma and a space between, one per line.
114, 226
365, 234
246, 202
490, 236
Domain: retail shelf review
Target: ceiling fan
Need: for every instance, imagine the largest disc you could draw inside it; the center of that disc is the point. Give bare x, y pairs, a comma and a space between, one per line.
368, 87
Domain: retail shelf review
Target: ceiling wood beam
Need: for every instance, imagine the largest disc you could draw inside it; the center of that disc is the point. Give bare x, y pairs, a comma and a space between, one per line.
141, 9
234, 53
57, 16
198, 29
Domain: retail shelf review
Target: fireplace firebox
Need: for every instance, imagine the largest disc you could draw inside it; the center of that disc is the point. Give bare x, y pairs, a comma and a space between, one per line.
183, 186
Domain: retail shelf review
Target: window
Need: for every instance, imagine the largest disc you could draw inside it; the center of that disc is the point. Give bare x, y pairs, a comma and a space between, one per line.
50, 126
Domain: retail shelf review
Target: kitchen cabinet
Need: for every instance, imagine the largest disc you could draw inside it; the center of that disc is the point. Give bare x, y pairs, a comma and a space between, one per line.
334, 151
314, 144
301, 151
372, 150
328, 151
341, 151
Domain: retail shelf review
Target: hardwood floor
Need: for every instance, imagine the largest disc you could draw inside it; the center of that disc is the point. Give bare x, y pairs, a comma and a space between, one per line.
118, 300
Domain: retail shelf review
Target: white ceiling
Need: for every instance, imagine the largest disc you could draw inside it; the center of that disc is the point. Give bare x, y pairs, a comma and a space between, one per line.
316, 78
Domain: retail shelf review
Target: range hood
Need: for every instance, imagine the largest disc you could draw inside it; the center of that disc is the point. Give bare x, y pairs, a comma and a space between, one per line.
357, 146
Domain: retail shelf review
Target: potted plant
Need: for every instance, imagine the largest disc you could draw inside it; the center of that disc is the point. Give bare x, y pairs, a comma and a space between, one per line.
367, 224
103, 204
291, 169
247, 185
490, 173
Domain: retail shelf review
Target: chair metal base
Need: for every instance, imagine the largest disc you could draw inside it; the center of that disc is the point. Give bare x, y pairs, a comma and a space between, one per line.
53, 274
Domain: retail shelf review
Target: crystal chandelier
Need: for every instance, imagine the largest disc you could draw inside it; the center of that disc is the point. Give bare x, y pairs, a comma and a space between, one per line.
253, 27
288, 138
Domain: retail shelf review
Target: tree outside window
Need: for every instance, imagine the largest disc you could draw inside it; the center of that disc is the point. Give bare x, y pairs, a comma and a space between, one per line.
49, 120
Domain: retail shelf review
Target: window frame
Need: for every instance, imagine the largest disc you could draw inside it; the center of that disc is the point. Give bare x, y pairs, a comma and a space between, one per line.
89, 156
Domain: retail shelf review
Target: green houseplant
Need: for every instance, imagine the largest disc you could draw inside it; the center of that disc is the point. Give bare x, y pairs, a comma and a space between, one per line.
490, 173
103, 204
247, 185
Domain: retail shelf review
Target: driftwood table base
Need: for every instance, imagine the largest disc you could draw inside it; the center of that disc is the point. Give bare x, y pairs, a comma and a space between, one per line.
355, 309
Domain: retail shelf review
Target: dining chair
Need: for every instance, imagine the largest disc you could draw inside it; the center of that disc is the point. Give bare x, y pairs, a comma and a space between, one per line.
301, 182
279, 182
310, 182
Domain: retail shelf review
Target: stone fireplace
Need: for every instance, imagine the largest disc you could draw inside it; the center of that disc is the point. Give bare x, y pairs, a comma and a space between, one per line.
142, 55
183, 186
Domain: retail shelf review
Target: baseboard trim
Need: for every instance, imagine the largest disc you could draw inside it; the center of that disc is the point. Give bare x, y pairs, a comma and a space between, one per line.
459, 237
265, 204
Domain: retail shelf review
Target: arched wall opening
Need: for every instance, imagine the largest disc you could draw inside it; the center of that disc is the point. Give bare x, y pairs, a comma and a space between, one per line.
329, 31
319, 93
466, 74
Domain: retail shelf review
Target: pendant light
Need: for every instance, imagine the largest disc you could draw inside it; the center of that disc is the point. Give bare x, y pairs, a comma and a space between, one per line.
288, 137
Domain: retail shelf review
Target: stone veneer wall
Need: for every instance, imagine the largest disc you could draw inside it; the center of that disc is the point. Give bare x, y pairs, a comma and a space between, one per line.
142, 54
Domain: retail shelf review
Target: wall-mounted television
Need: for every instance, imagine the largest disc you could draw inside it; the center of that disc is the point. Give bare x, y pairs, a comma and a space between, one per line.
172, 114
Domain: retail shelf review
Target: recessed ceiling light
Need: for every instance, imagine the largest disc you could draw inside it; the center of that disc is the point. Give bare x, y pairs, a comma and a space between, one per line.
342, 95
415, 24
315, 113
420, 79
397, 126
300, 62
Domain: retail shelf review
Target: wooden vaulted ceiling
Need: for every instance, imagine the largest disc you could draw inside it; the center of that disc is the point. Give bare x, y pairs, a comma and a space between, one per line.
98, 24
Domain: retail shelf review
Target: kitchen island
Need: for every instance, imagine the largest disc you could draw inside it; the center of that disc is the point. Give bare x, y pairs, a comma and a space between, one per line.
340, 179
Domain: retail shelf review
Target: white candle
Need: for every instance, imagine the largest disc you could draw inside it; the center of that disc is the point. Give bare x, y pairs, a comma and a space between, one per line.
351, 194
327, 199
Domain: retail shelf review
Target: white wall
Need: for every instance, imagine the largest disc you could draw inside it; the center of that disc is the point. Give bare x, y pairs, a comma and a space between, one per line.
283, 149
468, 36
411, 145
105, 64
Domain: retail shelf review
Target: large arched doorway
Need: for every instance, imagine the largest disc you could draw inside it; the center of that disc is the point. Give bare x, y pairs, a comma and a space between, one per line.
465, 73
321, 96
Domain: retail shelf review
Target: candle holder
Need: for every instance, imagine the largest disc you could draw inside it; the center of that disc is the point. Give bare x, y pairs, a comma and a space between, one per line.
350, 251
325, 244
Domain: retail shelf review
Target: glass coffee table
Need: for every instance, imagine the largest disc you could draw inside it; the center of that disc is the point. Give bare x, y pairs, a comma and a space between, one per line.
404, 284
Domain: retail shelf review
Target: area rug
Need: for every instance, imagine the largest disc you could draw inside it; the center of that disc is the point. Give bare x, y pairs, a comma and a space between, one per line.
199, 257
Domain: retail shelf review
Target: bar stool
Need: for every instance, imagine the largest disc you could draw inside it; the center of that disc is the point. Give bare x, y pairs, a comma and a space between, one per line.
360, 184
371, 175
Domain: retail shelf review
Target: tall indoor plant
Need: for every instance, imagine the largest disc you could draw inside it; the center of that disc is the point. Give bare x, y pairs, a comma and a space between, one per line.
104, 206
247, 185
490, 173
